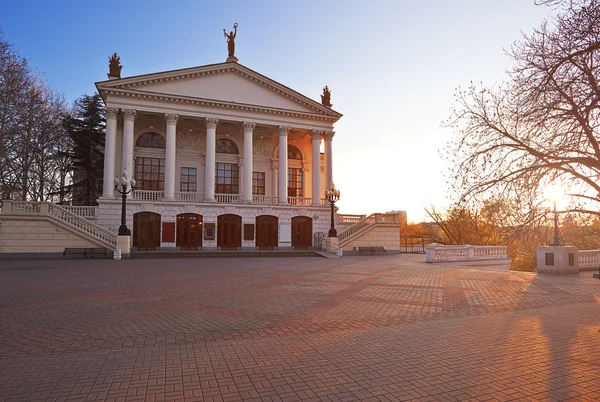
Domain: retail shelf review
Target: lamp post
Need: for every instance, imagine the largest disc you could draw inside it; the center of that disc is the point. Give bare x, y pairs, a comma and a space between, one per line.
555, 193
332, 195
122, 182
556, 241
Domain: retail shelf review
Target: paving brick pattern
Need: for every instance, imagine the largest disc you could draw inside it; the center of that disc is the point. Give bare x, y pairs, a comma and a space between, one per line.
381, 328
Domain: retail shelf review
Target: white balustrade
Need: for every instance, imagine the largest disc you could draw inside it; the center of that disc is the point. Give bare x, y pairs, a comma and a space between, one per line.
589, 259
147, 195
439, 253
229, 198
25, 208
372, 219
189, 197
345, 218
300, 201
84, 212
265, 199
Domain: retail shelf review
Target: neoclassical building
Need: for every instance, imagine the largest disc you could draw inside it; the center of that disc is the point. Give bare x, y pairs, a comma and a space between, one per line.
223, 157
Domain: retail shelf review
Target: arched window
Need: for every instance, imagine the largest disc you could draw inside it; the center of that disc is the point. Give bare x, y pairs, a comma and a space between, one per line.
225, 146
294, 153
151, 140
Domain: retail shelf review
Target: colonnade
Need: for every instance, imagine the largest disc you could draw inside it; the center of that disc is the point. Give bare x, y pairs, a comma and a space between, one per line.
209, 178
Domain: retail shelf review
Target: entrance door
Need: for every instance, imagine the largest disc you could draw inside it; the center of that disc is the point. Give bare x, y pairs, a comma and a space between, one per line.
146, 230
189, 231
229, 232
301, 232
266, 232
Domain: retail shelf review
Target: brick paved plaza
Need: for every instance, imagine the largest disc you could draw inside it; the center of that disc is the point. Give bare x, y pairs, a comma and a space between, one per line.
358, 328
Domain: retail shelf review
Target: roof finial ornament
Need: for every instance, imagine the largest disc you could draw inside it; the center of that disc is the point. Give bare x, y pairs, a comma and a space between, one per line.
114, 67
326, 97
231, 43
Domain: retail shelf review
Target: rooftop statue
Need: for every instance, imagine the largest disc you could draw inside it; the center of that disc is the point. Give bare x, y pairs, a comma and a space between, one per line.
114, 66
231, 40
326, 97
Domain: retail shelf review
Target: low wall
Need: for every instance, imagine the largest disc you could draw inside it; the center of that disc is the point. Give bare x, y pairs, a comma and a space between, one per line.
387, 236
442, 253
37, 234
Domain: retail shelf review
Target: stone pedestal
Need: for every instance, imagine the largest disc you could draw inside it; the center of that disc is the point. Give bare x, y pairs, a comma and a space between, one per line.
232, 59
557, 260
124, 244
331, 244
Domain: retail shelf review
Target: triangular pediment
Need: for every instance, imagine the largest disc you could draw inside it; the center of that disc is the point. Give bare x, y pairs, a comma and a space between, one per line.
225, 83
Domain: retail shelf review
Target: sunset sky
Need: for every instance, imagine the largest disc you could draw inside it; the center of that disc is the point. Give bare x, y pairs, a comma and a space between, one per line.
392, 66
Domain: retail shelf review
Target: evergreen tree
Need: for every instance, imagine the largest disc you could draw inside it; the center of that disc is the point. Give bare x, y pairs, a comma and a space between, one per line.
87, 128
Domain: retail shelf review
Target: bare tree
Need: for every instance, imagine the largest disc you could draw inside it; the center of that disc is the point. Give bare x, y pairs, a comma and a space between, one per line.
542, 124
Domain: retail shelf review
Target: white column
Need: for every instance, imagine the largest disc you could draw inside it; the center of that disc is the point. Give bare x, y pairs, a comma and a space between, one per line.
328, 157
248, 129
316, 167
170, 152
274, 179
283, 165
209, 168
127, 161
110, 148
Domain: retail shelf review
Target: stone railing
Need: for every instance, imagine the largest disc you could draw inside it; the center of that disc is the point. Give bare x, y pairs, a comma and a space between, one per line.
78, 223
189, 197
229, 198
265, 199
300, 201
372, 219
147, 195
345, 218
589, 259
84, 212
441, 253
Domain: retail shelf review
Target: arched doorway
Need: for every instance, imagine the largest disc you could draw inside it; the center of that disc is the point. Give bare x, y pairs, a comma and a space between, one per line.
301, 232
189, 231
266, 232
146, 230
229, 232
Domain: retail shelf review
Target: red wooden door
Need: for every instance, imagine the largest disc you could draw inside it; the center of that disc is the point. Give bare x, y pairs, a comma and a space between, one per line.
229, 232
266, 232
301, 232
189, 231
146, 230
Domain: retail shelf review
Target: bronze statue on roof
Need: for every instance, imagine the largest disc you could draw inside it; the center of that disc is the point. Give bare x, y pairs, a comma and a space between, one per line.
231, 40
326, 97
114, 66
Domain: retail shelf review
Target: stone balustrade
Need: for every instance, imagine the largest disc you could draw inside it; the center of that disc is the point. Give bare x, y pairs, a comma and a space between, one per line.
442, 253
589, 259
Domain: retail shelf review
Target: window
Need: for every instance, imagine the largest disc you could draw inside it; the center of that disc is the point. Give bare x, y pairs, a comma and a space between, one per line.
188, 180
150, 174
151, 140
227, 175
225, 146
294, 182
294, 153
258, 183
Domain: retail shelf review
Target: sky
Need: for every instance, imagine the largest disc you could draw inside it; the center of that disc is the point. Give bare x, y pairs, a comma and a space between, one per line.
392, 66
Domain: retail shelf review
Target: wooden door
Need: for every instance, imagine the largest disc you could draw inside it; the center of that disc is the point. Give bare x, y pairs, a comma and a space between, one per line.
146, 230
301, 232
229, 232
189, 231
266, 232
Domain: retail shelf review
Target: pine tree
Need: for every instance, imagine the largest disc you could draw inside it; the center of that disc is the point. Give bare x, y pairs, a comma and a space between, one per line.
87, 128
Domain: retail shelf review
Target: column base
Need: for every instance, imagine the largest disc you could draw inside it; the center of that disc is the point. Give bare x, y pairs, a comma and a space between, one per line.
209, 200
108, 197
168, 199
247, 202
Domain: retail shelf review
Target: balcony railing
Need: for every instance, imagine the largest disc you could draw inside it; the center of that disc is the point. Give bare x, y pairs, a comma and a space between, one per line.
188, 197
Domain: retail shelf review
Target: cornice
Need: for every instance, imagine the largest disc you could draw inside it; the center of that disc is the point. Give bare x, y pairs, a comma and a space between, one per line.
215, 104
217, 69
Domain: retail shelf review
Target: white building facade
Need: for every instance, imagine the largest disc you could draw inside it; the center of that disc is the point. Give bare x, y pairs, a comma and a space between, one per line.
224, 158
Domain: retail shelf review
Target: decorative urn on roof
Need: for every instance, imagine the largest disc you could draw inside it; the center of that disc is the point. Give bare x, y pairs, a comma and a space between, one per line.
114, 67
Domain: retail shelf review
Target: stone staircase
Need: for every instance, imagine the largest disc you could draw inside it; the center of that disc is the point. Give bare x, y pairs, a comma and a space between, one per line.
367, 224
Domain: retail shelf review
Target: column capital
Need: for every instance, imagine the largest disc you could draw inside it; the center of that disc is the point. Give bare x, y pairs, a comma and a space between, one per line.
112, 112
129, 114
316, 134
328, 135
249, 125
171, 118
284, 130
211, 122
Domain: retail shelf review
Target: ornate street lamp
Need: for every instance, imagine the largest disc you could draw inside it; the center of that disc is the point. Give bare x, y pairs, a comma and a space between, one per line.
123, 230
332, 195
